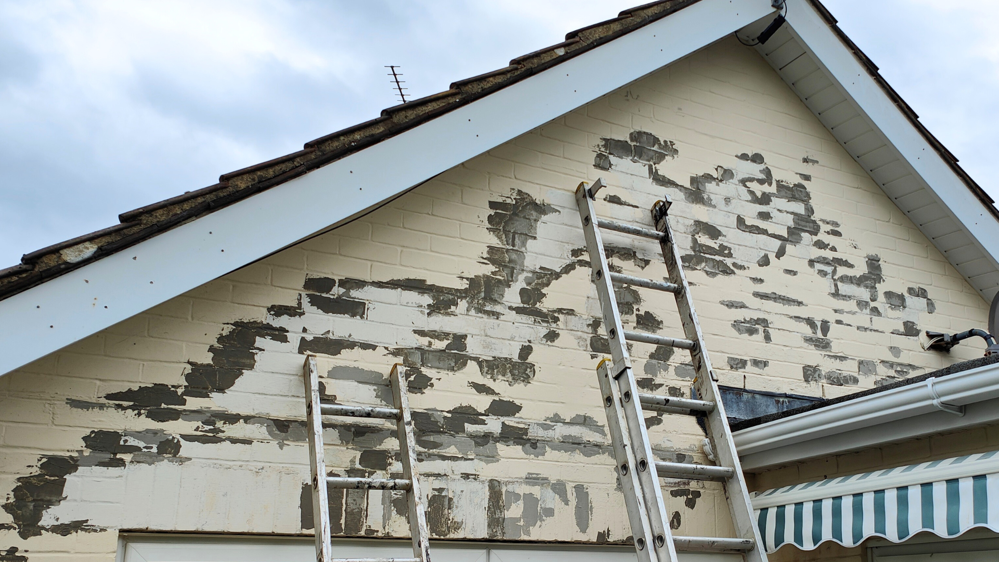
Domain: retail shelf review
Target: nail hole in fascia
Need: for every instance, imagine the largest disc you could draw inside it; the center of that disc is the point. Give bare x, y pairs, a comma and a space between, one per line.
105, 306
134, 257
86, 281
150, 282
51, 326
38, 306
223, 250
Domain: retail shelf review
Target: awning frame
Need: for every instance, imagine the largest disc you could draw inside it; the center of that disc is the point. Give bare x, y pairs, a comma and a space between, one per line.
945, 497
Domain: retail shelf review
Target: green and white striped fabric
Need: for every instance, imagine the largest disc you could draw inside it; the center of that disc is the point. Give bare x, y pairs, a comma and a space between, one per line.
945, 497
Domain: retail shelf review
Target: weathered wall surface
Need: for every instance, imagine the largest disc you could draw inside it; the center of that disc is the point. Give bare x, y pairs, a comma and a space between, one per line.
911, 451
189, 417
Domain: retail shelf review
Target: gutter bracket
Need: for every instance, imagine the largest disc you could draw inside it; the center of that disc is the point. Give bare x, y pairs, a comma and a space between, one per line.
949, 408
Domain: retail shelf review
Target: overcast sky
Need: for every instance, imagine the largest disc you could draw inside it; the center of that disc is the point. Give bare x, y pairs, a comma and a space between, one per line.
108, 106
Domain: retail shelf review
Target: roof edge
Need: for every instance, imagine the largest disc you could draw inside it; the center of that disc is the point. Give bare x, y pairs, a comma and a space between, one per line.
905, 108
182, 246
240, 184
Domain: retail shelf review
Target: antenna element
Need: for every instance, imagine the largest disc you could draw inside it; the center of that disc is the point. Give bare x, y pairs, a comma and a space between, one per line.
398, 83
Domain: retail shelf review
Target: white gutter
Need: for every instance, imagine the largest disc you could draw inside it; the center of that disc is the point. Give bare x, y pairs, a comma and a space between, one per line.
909, 411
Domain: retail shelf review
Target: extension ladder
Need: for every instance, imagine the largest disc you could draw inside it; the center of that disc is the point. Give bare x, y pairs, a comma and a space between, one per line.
637, 467
315, 410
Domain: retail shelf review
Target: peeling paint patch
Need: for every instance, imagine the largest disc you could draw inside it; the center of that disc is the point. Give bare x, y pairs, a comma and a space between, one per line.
482, 388
616, 200
234, 353
909, 328
821, 344
440, 514
37, 493
583, 509
777, 298
331, 346
755, 158
11, 555
813, 374
152, 396
691, 496
495, 510
711, 267
641, 146
894, 300
340, 306
503, 408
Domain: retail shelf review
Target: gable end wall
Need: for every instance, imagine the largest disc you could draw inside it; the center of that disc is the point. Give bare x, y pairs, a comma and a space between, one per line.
807, 280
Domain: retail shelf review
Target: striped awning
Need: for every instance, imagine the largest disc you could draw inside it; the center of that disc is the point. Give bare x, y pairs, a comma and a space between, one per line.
945, 497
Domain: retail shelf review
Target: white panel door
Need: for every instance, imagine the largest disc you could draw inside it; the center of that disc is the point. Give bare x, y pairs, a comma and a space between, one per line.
933, 549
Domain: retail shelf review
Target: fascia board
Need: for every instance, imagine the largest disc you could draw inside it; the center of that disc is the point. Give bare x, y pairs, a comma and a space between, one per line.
873, 420
853, 78
71, 307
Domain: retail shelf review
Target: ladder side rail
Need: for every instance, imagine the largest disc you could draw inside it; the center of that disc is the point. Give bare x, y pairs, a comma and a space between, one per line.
621, 371
600, 275
736, 491
624, 454
645, 465
320, 494
407, 444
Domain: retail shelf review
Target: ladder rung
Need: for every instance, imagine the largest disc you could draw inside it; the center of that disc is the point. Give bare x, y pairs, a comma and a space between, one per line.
693, 471
368, 483
658, 340
629, 229
710, 544
657, 402
647, 283
375, 560
359, 411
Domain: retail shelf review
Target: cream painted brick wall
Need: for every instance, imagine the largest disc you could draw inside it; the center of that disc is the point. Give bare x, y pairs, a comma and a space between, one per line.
189, 417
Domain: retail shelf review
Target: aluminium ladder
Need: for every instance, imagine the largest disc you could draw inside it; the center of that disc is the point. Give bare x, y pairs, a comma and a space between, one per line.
315, 410
637, 467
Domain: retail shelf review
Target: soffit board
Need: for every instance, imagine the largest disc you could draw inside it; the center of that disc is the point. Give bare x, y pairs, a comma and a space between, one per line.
878, 130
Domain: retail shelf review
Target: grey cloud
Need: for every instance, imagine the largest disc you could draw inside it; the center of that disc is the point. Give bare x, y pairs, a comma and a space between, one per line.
82, 144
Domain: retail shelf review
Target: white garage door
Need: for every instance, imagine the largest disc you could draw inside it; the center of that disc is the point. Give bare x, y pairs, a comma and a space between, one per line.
146, 548
935, 550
